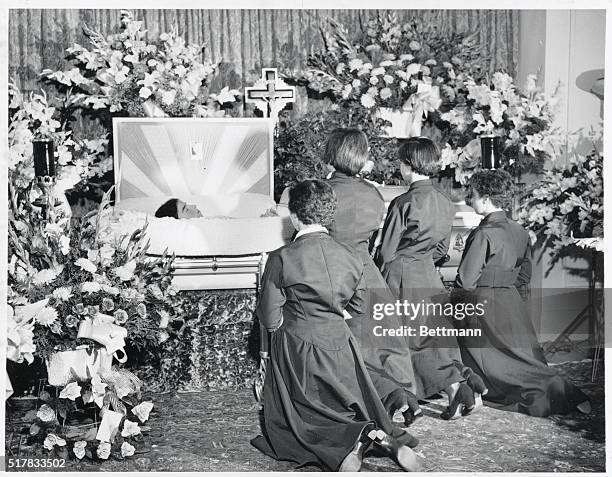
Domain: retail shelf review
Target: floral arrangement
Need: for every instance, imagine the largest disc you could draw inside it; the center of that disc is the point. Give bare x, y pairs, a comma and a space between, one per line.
567, 204
392, 65
126, 72
76, 275
78, 159
60, 275
66, 425
493, 106
436, 80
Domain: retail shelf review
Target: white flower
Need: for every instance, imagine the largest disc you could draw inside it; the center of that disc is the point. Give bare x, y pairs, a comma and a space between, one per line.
130, 428
98, 390
144, 92
86, 265
44, 277
127, 449
367, 101
406, 57
385, 93
90, 287
65, 244
226, 96
106, 254
356, 83
143, 410
374, 80
47, 316
79, 449
62, 293
71, 391
355, 64
448, 157
388, 79
502, 81
403, 84
104, 450
46, 413
412, 69
346, 91
52, 440
168, 97
480, 93
414, 45
165, 318
431, 62
126, 272
110, 290
378, 71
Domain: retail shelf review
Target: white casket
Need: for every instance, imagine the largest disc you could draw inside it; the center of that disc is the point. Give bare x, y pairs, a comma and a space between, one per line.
224, 166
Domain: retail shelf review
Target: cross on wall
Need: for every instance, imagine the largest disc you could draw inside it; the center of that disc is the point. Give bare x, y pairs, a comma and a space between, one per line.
270, 94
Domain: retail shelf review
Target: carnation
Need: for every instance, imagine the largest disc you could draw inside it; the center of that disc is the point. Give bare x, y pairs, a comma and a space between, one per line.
367, 101
90, 287
44, 277
385, 93
62, 293
108, 304
47, 316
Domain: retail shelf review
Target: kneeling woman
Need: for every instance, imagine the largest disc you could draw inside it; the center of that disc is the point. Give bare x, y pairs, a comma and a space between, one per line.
507, 355
320, 405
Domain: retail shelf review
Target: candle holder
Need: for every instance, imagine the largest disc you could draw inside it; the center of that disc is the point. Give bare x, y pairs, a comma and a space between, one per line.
44, 170
490, 152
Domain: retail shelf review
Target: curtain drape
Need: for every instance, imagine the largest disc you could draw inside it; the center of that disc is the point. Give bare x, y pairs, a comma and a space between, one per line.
244, 40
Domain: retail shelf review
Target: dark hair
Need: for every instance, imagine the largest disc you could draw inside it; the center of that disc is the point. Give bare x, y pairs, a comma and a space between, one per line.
347, 150
421, 154
496, 184
168, 209
313, 201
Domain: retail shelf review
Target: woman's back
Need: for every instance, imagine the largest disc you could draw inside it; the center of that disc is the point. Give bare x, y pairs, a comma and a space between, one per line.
360, 210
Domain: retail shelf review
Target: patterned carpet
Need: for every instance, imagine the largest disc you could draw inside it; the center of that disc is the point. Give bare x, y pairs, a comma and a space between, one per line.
210, 431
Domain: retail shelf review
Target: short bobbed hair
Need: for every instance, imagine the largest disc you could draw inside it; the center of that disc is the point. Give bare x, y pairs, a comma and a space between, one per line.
421, 155
168, 209
495, 184
347, 150
313, 202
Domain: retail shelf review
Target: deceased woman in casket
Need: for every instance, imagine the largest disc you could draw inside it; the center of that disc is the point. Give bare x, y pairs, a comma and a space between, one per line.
178, 209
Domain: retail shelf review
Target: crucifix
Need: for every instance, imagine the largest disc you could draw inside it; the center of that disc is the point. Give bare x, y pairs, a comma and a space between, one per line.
270, 94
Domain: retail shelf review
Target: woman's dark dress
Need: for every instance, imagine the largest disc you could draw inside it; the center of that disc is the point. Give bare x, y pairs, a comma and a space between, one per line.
508, 355
318, 396
416, 234
358, 216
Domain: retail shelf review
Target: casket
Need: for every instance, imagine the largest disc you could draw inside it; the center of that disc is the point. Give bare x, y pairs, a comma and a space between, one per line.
223, 166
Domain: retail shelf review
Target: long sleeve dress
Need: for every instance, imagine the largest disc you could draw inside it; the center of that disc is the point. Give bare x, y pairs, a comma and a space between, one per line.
416, 234
358, 216
508, 356
318, 396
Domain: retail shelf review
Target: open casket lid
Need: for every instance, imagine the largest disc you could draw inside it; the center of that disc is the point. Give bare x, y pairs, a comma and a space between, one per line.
186, 157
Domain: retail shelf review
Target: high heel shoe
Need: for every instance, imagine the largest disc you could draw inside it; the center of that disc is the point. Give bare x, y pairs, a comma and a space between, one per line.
404, 403
403, 455
353, 460
475, 382
463, 400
